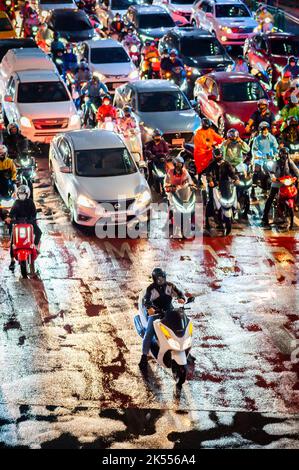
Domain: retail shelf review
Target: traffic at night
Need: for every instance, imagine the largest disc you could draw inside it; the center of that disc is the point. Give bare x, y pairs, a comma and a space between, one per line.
149, 226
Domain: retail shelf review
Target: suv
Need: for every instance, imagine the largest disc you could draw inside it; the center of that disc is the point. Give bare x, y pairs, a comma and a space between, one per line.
231, 21
40, 103
271, 51
151, 22
200, 51
177, 8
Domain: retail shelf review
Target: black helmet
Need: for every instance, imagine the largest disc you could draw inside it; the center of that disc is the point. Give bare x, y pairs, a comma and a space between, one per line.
292, 59
157, 133
292, 120
159, 276
283, 153
127, 110
217, 154
206, 123
12, 126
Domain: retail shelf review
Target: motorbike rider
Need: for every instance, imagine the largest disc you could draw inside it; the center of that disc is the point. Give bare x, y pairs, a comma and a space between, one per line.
284, 166
8, 172
262, 114
263, 16
22, 210
83, 73
177, 176
158, 298
29, 22
281, 87
95, 88
292, 66
290, 134
106, 110
234, 148
57, 46
117, 25
15, 142
131, 38
127, 121
204, 141
165, 63
89, 113
264, 143
69, 60
149, 53
154, 150
290, 109
240, 65
219, 173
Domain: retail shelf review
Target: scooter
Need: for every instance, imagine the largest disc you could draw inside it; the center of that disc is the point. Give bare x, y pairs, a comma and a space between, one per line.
159, 169
26, 171
132, 138
172, 341
108, 124
226, 204
24, 250
286, 199
244, 188
182, 201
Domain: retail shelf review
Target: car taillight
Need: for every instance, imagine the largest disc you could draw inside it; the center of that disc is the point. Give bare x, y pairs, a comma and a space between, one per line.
235, 30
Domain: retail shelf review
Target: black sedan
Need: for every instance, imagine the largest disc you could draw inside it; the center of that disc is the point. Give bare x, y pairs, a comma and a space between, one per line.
71, 25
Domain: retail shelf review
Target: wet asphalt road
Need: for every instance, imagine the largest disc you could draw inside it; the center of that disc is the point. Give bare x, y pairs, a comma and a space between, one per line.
69, 353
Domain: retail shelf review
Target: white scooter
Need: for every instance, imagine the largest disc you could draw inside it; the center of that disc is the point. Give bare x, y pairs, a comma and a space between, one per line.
226, 204
172, 340
132, 138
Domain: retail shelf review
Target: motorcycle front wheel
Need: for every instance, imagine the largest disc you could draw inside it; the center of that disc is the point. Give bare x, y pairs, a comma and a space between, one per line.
179, 373
24, 269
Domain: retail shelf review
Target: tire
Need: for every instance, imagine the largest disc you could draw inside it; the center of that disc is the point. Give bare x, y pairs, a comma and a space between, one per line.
179, 373
221, 126
52, 178
227, 225
24, 269
290, 214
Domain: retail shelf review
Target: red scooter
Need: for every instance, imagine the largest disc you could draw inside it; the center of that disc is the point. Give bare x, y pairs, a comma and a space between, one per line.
24, 250
286, 198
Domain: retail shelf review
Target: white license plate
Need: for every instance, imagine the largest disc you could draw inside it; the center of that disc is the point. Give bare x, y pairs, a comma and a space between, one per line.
179, 142
115, 85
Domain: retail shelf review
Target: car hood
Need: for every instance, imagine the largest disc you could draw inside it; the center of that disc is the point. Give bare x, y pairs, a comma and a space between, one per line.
172, 121
111, 188
77, 36
47, 110
118, 70
241, 111
155, 32
235, 22
208, 61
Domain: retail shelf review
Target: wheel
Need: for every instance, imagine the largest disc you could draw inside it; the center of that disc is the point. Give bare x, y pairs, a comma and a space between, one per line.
24, 269
227, 225
179, 373
52, 179
291, 217
221, 126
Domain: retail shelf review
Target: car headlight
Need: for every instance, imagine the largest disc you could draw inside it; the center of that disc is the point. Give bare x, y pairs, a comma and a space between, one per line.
25, 122
144, 198
226, 29
85, 201
133, 75
100, 76
74, 120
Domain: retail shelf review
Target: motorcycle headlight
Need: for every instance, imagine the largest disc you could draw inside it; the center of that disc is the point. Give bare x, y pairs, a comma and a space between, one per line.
144, 198
74, 120
134, 74
25, 162
25, 122
134, 48
85, 201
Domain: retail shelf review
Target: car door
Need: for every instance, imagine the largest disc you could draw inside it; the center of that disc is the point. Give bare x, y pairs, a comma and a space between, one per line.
9, 103
211, 105
201, 93
63, 159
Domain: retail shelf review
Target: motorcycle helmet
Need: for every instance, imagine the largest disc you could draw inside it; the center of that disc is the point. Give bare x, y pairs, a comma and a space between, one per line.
147, 43
13, 128
264, 125
157, 133
233, 134
127, 110
217, 154
107, 99
23, 192
159, 276
292, 59
3, 152
292, 121
262, 103
287, 74
120, 113
178, 162
293, 99
206, 123
130, 30
283, 153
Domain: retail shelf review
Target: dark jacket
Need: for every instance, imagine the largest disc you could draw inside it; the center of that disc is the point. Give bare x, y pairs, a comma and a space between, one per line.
258, 118
16, 144
160, 297
288, 168
23, 211
151, 148
222, 172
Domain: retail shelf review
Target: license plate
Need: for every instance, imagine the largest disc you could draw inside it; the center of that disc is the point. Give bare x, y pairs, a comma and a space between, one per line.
179, 142
115, 85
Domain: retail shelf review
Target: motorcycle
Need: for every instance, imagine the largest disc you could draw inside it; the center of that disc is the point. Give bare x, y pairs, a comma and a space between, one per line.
188, 155
178, 77
244, 188
172, 341
108, 124
132, 138
181, 214
286, 199
159, 169
134, 53
24, 250
26, 171
150, 69
225, 204
262, 172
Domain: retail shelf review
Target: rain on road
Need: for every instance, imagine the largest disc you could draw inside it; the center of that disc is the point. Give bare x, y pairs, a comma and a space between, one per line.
69, 351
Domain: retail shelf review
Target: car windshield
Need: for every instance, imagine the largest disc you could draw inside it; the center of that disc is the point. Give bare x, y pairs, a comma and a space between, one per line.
122, 4
42, 92
5, 24
231, 10
72, 22
242, 91
104, 162
109, 55
155, 20
282, 47
197, 47
160, 101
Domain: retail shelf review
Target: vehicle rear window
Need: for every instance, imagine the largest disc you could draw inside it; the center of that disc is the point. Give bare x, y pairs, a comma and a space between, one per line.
231, 11
72, 22
42, 92
197, 47
109, 55
162, 101
104, 162
155, 21
4, 47
242, 91
281, 47
5, 25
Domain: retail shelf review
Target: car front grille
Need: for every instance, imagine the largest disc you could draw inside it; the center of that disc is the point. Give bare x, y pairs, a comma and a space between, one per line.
245, 30
121, 205
43, 124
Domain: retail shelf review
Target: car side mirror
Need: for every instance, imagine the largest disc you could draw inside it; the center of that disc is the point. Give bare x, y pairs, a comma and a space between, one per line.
65, 169
212, 97
8, 99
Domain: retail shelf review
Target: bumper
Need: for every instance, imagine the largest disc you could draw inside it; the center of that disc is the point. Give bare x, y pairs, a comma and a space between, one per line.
44, 136
232, 39
91, 217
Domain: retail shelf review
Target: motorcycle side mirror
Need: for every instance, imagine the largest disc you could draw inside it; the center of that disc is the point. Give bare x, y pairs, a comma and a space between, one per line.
190, 299
8, 98
65, 169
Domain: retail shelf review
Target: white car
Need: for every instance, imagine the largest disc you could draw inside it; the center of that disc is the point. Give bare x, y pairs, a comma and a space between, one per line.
44, 7
109, 60
40, 103
96, 177
230, 20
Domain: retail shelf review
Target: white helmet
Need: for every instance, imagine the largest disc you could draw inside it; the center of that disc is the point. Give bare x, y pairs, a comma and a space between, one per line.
3, 150
23, 189
294, 99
